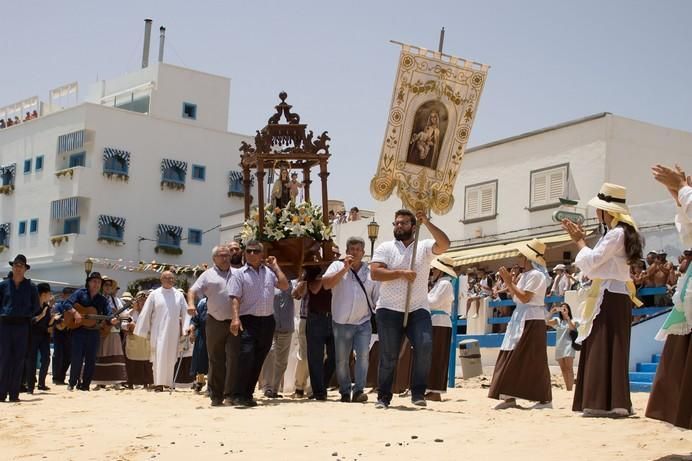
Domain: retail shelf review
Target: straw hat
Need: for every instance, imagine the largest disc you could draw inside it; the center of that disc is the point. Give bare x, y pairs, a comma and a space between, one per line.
611, 198
127, 296
445, 264
560, 267
534, 251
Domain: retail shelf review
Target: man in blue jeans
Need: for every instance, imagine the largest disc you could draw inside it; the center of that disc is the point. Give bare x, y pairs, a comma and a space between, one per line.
353, 296
391, 265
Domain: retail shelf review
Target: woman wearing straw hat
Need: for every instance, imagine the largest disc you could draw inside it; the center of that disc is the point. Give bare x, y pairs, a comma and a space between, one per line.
602, 387
440, 298
521, 370
671, 396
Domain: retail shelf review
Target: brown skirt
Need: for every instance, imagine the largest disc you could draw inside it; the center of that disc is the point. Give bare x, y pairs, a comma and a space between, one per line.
603, 374
402, 376
110, 361
439, 366
671, 396
184, 374
139, 372
523, 372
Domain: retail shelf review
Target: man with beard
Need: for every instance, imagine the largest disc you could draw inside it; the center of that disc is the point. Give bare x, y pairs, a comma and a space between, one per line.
222, 346
236, 254
391, 265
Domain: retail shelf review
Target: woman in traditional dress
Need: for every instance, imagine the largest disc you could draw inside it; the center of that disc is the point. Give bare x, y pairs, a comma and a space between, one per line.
671, 396
110, 366
602, 387
137, 348
440, 298
521, 370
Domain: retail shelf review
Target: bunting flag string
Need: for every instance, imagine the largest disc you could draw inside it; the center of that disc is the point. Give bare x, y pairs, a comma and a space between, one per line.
153, 266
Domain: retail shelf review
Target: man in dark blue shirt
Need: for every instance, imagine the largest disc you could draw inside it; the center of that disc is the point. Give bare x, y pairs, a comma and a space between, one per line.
18, 302
39, 343
62, 342
85, 341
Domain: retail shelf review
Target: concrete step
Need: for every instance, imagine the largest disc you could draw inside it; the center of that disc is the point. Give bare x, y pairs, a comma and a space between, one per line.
642, 377
656, 358
647, 367
636, 386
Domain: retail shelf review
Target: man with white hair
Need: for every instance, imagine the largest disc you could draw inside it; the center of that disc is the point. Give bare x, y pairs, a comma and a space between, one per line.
164, 320
561, 283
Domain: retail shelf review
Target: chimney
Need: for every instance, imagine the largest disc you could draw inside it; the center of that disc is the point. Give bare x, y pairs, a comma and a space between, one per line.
147, 41
162, 39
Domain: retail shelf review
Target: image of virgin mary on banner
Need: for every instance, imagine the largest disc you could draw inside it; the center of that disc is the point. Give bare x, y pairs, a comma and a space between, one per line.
434, 104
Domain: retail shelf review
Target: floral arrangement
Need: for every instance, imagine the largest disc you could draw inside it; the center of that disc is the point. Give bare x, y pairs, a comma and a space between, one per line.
301, 220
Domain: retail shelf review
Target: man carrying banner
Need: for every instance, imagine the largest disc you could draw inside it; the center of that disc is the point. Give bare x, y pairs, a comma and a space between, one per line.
391, 265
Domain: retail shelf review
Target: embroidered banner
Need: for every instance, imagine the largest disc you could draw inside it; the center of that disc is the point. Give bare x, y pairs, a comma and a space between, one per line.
434, 104
109, 152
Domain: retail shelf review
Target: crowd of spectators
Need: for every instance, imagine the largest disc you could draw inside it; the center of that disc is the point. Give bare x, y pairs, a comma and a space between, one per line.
6, 123
340, 216
654, 272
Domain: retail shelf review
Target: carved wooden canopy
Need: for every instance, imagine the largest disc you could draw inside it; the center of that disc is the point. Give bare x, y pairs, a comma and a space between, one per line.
290, 144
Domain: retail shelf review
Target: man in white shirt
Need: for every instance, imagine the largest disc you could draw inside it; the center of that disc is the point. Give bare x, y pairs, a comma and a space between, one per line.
353, 294
562, 281
391, 265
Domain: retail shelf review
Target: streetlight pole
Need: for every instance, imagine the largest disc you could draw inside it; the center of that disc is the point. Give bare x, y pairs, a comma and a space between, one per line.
373, 230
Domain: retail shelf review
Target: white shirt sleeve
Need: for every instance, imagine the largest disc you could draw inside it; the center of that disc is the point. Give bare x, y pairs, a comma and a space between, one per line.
381, 254
683, 220
333, 268
588, 259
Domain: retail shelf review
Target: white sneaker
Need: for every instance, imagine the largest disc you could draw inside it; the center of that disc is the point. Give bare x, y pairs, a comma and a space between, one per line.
543, 405
475, 316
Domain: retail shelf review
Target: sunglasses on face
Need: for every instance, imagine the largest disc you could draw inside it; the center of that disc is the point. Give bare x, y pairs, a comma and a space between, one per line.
253, 252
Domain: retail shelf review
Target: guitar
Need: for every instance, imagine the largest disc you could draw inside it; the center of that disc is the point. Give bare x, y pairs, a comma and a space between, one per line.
91, 319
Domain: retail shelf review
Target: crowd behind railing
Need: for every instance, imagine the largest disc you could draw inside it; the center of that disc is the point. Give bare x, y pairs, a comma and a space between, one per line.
6, 123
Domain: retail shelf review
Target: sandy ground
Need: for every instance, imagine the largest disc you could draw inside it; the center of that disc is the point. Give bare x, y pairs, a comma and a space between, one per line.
142, 425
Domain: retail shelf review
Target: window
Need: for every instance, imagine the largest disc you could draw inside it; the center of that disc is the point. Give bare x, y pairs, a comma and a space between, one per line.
22, 227
480, 201
199, 172
4, 235
27, 166
33, 226
115, 164
111, 231
169, 236
174, 174
547, 186
71, 226
190, 111
38, 166
78, 159
194, 236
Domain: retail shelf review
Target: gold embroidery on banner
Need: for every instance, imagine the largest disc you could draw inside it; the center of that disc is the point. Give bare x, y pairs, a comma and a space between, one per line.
429, 124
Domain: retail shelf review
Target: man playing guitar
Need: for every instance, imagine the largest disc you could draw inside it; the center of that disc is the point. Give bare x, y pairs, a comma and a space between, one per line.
85, 341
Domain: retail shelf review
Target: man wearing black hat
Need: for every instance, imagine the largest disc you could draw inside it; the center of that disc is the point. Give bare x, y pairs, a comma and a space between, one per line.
18, 301
85, 342
62, 342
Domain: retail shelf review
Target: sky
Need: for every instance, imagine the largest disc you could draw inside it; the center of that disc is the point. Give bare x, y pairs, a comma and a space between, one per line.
551, 61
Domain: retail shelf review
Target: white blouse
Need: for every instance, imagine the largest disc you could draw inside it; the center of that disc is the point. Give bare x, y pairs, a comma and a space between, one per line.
607, 261
683, 220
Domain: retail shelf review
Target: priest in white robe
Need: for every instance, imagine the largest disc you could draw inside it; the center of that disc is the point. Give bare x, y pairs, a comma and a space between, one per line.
164, 320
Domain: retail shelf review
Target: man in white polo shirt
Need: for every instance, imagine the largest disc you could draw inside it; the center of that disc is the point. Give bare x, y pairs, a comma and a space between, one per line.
391, 265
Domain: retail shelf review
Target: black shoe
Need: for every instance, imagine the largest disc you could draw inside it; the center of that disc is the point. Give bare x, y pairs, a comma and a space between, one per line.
29, 391
70, 387
320, 397
23, 388
243, 402
299, 394
216, 403
418, 400
345, 398
43, 387
58, 383
15, 399
3, 397
359, 397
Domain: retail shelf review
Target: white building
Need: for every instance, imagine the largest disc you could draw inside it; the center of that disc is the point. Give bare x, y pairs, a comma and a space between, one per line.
508, 190
140, 171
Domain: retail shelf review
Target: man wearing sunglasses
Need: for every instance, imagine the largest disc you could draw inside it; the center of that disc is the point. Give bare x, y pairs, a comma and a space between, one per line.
251, 290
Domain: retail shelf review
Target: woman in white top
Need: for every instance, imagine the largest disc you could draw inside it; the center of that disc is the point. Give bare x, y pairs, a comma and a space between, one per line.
602, 387
440, 298
671, 396
521, 370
